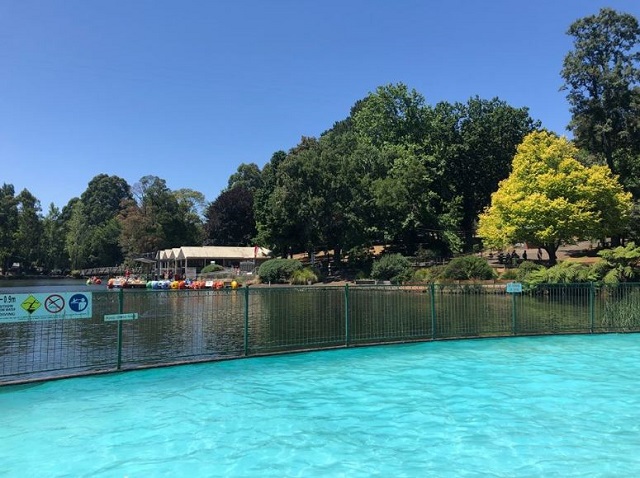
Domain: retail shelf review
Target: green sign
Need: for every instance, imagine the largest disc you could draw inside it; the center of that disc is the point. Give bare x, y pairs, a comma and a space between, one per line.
115, 317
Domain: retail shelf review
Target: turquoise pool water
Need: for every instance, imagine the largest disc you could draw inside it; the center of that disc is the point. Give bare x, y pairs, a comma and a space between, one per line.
544, 406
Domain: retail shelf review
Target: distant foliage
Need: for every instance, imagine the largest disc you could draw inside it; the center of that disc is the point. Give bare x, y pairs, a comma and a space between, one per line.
525, 269
428, 274
621, 264
304, 276
468, 268
392, 267
565, 272
278, 270
211, 268
360, 258
509, 274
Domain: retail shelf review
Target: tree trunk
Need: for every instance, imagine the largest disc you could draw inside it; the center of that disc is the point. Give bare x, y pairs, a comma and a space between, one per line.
337, 255
551, 252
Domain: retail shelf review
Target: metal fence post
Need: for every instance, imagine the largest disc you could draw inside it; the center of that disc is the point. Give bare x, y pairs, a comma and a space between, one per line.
592, 312
434, 332
346, 315
246, 320
120, 311
514, 329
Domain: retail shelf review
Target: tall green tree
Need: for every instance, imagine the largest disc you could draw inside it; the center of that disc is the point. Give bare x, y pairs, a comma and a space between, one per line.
8, 225
192, 202
158, 218
272, 224
103, 197
550, 198
602, 77
476, 147
28, 234
229, 219
54, 255
77, 239
248, 176
404, 175
393, 114
102, 202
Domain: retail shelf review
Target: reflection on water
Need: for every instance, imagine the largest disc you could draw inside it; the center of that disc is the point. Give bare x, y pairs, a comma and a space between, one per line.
173, 325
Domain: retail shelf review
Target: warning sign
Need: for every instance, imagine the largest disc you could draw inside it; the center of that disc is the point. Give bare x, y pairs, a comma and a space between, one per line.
30, 304
24, 307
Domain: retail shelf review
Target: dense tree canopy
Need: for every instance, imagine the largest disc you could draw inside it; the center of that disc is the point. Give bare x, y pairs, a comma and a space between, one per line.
229, 219
247, 176
102, 201
602, 77
159, 218
28, 232
396, 171
54, 257
550, 198
8, 224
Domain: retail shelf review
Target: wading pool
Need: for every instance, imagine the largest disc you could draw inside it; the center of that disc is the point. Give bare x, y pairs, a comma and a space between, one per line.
539, 406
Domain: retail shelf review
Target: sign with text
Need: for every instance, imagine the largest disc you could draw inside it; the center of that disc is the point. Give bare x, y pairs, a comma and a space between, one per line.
115, 317
45, 306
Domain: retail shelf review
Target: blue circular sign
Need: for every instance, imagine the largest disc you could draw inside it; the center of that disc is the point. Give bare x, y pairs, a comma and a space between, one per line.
78, 302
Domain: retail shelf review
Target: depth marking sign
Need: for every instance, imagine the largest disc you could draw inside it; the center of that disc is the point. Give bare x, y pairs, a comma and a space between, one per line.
25, 307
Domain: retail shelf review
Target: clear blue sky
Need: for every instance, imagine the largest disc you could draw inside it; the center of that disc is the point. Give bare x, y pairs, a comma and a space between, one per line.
188, 90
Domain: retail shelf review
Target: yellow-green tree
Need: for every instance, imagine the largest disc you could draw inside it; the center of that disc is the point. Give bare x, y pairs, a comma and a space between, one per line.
551, 199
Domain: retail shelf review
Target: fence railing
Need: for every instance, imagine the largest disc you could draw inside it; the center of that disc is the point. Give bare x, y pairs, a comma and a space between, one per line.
178, 326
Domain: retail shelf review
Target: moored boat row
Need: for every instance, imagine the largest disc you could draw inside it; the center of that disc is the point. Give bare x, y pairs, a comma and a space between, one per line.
129, 283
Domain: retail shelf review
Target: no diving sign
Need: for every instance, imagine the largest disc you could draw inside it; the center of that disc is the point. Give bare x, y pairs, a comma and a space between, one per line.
45, 306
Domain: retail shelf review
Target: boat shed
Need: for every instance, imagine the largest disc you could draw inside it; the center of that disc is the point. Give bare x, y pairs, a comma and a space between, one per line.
188, 261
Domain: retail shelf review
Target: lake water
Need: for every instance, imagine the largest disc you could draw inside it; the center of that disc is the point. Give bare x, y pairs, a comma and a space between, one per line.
519, 407
46, 285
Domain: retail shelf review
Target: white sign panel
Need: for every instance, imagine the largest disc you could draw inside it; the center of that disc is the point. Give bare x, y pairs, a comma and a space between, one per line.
45, 306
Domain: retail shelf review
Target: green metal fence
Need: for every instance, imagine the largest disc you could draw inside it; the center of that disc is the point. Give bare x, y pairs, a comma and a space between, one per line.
179, 326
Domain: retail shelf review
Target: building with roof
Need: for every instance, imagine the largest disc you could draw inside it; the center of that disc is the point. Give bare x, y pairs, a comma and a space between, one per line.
188, 261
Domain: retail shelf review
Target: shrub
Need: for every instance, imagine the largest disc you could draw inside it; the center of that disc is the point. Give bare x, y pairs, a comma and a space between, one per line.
211, 268
428, 274
426, 255
565, 272
509, 274
360, 258
468, 268
278, 270
393, 267
526, 268
362, 275
304, 276
621, 264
